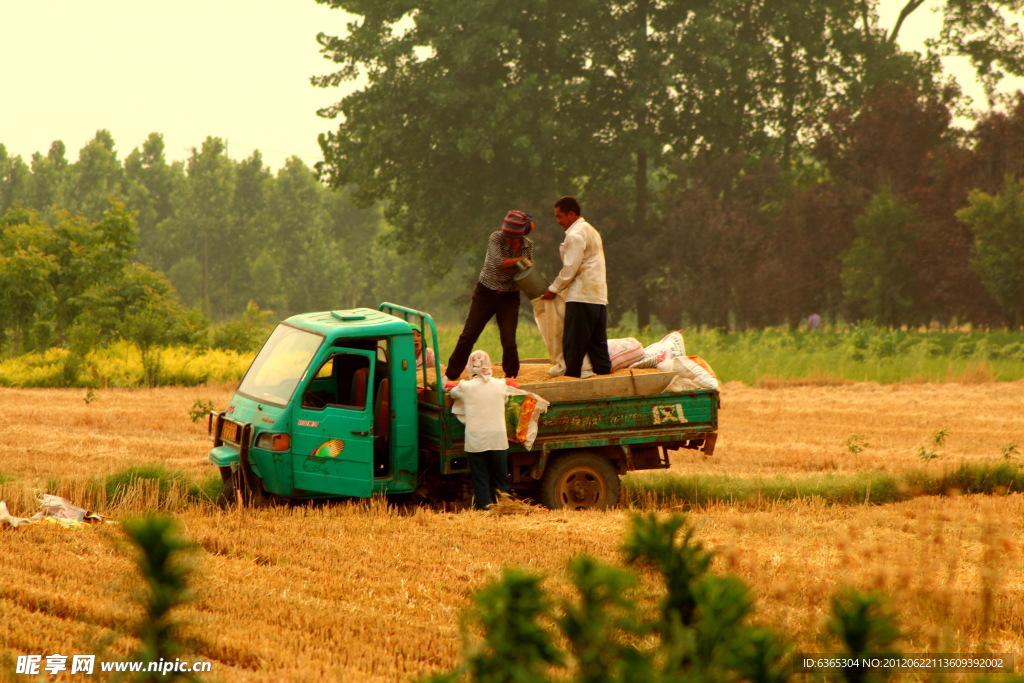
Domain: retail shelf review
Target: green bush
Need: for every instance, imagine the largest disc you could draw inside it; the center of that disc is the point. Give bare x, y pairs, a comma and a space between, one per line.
244, 334
1003, 477
1013, 351
666, 490
161, 558
172, 488
699, 632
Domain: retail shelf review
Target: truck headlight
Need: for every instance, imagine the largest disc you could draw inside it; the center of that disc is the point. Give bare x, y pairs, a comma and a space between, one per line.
273, 442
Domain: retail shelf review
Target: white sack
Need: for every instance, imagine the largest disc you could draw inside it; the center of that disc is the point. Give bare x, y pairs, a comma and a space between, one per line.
550, 317
687, 368
624, 352
670, 346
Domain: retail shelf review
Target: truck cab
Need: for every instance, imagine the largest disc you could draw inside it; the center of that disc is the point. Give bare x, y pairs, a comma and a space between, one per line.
328, 408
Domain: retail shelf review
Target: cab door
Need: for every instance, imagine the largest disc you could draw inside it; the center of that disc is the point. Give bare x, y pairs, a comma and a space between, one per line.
332, 437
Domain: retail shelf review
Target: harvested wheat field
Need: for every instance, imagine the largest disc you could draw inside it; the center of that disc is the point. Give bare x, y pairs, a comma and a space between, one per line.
795, 429
370, 592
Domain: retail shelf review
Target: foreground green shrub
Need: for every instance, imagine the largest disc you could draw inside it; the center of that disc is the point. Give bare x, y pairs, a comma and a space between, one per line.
160, 554
699, 631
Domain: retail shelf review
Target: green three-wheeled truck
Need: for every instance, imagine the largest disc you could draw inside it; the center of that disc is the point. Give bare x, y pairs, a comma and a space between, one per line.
334, 406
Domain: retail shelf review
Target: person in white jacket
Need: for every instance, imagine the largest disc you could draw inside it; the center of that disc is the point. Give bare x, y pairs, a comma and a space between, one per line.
486, 444
586, 292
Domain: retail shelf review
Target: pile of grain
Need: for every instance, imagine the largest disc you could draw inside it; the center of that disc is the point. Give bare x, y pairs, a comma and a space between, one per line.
532, 374
536, 374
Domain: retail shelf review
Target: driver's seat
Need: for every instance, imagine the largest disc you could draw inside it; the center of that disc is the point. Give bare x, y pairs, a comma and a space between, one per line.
357, 394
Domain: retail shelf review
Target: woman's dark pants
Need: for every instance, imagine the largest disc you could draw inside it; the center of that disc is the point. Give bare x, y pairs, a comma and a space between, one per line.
487, 303
490, 472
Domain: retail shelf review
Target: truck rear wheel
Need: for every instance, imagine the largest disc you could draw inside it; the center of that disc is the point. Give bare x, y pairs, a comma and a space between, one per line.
580, 481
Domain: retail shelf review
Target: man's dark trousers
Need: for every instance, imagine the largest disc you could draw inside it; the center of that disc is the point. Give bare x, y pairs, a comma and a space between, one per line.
585, 334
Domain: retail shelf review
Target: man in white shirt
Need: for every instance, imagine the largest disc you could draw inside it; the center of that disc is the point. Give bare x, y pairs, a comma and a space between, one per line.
586, 292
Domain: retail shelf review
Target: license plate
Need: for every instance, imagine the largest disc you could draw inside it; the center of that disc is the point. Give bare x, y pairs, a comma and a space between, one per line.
229, 431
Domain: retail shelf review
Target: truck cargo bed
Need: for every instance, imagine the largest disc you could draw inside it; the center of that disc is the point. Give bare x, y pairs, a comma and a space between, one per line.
634, 384
630, 414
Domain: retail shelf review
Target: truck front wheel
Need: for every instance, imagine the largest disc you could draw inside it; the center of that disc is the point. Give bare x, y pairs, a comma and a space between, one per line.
233, 487
580, 481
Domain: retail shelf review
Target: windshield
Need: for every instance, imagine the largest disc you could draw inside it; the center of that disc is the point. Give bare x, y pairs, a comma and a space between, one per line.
276, 372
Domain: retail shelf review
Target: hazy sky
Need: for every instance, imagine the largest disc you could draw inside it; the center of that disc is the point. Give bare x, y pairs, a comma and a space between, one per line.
234, 69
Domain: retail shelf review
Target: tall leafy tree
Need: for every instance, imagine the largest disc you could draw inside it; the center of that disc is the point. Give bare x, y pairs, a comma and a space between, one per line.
253, 185
49, 179
15, 181
998, 146
96, 178
73, 282
27, 265
723, 240
312, 264
889, 141
985, 32
998, 225
203, 256
879, 269
137, 304
472, 107
150, 184
250, 224
357, 233
902, 141
459, 122
89, 255
810, 228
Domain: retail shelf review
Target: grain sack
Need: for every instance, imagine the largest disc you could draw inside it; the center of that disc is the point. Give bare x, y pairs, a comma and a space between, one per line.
550, 317
671, 346
691, 368
704, 364
678, 385
522, 416
624, 352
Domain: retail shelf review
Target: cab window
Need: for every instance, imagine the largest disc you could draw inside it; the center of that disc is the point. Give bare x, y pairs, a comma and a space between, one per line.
342, 380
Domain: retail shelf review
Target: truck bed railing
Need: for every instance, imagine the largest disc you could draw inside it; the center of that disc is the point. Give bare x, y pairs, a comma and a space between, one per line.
405, 313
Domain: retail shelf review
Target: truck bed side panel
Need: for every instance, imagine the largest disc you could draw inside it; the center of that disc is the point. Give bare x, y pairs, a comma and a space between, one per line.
649, 420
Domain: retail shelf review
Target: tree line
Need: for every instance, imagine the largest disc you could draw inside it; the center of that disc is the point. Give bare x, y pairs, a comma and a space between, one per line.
893, 216
154, 251
747, 161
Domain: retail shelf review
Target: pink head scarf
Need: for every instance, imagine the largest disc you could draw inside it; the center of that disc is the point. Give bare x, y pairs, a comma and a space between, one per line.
479, 365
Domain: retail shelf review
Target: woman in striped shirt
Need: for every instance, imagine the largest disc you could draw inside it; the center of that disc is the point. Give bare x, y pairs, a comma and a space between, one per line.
496, 295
